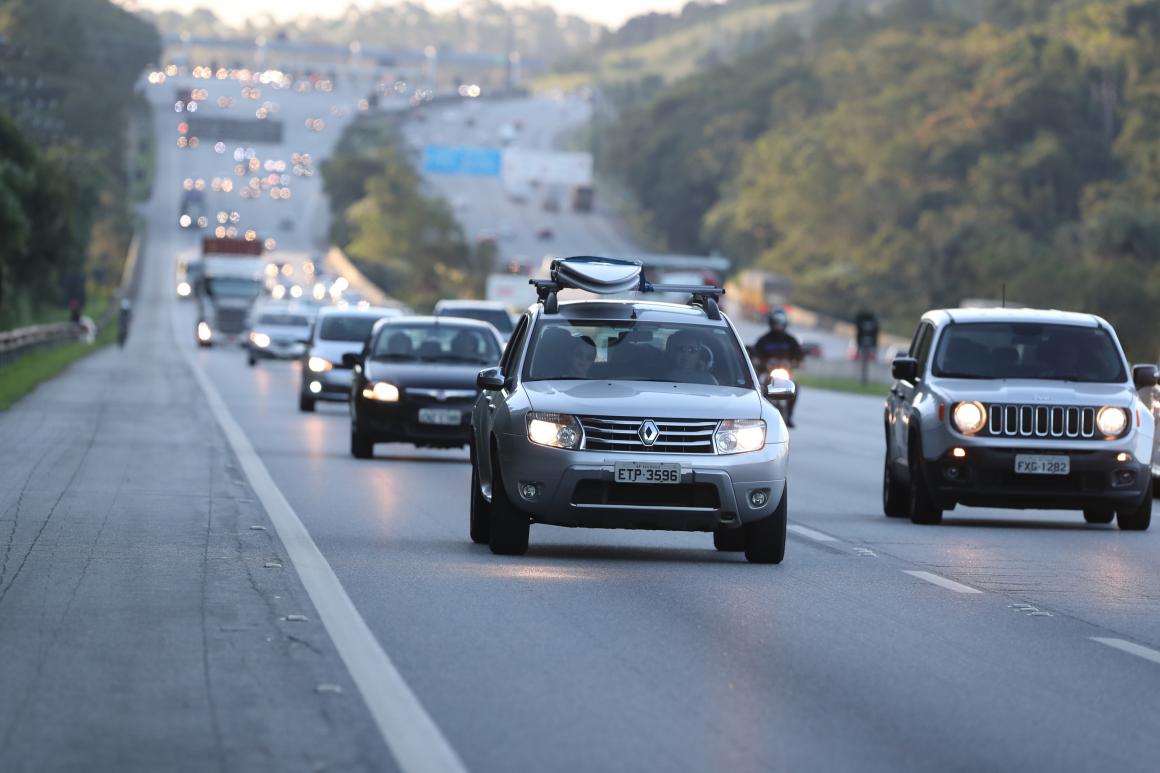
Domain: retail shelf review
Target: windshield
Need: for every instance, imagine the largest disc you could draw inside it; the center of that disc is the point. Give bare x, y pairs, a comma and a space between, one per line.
497, 317
233, 287
436, 343
355, 328
1028, 350
286, 320
636, 351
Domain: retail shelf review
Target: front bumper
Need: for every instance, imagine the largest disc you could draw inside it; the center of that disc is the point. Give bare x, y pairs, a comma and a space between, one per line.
333, 384
986, 477
277, 351
577, 488
400, 422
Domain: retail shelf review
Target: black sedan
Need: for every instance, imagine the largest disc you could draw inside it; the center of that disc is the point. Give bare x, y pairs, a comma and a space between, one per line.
414, 381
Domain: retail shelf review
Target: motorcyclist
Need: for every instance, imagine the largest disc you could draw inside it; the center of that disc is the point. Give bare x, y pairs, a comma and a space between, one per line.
778, 345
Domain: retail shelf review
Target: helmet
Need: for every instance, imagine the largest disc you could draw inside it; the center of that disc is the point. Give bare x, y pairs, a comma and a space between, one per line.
778, 319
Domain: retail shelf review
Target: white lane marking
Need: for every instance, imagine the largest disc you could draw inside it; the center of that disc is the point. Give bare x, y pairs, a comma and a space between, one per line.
809, 533
408, 730
942, 582
1130, 647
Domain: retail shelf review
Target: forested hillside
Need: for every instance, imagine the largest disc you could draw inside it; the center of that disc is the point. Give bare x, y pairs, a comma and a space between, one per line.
66, 93
930, 153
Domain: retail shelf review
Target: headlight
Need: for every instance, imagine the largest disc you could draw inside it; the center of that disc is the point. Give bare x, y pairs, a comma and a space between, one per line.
558, 430
969, 418
183, 289
737, 436
203, 331
781, 374
1112, 421
319, 365
260, 340
382, 391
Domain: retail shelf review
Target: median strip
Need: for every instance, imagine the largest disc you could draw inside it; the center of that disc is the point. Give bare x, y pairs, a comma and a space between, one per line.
942, 582
1131, 648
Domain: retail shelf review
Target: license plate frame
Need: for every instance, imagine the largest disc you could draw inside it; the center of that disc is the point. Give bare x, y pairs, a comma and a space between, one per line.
664, 473
1042, 464
441, 417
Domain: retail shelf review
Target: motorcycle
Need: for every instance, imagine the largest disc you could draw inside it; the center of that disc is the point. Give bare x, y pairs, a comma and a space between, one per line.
770, 369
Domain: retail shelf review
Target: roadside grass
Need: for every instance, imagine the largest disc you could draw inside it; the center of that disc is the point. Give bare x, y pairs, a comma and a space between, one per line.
22, 376
850, 385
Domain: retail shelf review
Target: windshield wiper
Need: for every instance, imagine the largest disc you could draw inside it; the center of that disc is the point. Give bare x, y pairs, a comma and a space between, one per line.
396, 357
952, 374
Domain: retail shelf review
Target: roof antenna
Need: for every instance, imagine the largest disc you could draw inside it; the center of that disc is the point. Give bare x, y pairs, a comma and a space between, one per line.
1004, 295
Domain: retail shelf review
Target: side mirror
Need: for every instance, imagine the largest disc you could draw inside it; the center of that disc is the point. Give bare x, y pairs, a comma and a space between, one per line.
904, 369
780, 389
351, 359
490, 379
1144, 376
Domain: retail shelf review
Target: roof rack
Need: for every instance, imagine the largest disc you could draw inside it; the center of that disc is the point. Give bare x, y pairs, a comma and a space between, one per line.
608, 276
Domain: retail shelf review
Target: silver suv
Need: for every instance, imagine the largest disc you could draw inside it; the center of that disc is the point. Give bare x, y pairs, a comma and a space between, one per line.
627, 414
1018, 408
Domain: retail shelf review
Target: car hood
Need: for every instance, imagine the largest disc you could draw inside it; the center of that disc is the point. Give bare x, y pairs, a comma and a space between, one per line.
634, 399
423, 374
1032, 392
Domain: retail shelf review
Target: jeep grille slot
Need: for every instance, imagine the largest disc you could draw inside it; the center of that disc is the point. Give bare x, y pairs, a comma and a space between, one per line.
1041, 421
677, 436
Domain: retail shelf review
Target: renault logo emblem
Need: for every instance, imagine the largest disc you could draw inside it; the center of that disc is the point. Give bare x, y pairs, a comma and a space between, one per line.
648, 432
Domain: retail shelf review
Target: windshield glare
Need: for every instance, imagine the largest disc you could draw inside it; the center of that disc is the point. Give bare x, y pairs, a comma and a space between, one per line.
1028, 351
336, 328
636, 351
497, 317
283, 320
436, 343
234, 287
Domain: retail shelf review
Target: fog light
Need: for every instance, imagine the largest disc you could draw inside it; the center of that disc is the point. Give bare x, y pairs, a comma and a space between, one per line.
952, 473
1123, 456
315, 387
759, 497
959, 453
1125, 476
529, 490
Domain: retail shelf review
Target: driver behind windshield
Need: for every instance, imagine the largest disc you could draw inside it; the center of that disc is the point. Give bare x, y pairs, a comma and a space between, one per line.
688, 359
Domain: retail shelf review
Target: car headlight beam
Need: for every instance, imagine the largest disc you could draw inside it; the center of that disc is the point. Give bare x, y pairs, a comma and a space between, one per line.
738, 436
557, 430
204, 332
1112, 421
260, 340
969, 418
382, 392
319, 365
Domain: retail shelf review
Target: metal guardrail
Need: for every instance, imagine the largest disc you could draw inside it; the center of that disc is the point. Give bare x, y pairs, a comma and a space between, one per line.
13, 341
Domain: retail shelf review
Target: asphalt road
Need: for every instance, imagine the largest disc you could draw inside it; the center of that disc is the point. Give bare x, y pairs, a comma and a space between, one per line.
997, 641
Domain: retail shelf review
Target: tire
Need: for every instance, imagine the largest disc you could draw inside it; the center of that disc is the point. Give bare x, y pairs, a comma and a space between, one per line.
765, 539
361, 446
305, 404
1156, 487
895, 494
480, 508
729, 540
509, 527
923, 509
1138, 518
251, 360
1098, 514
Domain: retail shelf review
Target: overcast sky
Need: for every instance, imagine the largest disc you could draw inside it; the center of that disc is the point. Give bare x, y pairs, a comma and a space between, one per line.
610, 12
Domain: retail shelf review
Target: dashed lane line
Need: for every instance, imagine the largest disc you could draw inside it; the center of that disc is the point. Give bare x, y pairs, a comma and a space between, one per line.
1131, 648
942, 582
415, 741
809, 533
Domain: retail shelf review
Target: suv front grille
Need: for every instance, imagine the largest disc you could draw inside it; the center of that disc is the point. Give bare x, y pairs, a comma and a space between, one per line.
677, 436
1040, 421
